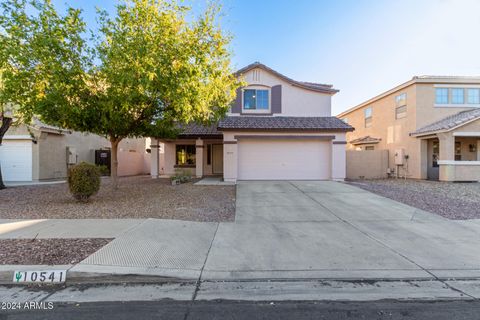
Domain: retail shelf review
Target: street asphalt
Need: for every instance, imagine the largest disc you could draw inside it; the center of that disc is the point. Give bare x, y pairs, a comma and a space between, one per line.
241, 310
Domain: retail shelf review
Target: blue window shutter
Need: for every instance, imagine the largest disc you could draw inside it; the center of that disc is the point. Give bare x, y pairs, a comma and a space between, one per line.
276, 93
237, 104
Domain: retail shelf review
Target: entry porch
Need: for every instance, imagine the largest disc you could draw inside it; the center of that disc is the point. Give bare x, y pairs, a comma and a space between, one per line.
450, 148
197, 152
453, 156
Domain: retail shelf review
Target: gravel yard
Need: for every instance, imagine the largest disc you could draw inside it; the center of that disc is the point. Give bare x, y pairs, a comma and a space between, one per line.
457, 201
136, 197
48, 251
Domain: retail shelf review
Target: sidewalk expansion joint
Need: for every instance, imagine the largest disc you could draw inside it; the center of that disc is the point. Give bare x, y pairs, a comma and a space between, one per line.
199, 280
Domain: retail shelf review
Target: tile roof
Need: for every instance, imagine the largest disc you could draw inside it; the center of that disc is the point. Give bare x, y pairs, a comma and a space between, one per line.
449, 122
283, 123
319, 87
39, 125
195, 129
365, 140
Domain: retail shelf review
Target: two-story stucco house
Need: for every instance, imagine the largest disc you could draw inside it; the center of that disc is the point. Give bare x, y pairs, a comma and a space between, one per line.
277, 128
430, 126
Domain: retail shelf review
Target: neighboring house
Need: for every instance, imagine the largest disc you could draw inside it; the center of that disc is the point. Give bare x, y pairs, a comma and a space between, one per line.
40, 152
277, 128
430, 126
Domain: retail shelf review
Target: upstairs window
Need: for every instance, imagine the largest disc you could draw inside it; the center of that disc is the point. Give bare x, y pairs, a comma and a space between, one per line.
457, 95
401, 106
368, 117
401, 100
254, 99
441, 95
473, 96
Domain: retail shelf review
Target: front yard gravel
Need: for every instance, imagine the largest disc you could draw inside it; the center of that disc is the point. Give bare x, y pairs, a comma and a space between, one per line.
47, 251
457, 201
136, 197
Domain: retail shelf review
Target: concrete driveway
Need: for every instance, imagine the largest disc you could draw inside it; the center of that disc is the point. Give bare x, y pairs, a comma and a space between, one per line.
324, 229
299, 230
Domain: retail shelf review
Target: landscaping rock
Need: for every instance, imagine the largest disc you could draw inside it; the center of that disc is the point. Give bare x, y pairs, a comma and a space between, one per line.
136, 197
457, 201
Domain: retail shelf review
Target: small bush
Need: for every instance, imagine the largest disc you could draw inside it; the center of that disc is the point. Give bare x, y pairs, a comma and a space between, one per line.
182, 176
83, 180
103, 170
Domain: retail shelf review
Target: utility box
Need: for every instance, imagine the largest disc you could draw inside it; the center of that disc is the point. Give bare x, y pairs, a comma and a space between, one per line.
72, 155
399, 156
103, 158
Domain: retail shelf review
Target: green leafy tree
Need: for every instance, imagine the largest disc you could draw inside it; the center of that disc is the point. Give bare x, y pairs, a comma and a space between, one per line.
43, 61
148, 68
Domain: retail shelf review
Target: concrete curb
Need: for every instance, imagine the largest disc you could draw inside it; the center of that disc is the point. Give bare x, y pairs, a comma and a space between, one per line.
85, 274
87, 277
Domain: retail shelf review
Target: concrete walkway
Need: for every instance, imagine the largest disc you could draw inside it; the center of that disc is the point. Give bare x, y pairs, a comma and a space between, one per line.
284, 230
65, 228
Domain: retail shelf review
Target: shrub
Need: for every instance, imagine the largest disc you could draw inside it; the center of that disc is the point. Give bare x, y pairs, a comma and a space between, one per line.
181, 176
104, 171
83, 180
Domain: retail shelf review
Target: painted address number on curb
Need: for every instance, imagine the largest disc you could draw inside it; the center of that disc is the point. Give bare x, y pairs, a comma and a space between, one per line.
50, 276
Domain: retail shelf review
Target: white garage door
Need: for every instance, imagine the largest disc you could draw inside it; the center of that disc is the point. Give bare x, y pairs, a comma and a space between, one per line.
284, 159
16, 160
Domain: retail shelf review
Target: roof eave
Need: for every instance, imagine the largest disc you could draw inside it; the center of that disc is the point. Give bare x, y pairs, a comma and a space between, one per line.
413, 134
378, 97
328, 88
202, 136
363, 142
288, 129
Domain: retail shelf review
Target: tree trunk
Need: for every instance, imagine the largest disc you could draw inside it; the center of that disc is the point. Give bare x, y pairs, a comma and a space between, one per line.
114, 164
6, 122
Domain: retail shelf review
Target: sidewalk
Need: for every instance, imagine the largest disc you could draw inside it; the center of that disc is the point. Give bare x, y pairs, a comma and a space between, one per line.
65, 228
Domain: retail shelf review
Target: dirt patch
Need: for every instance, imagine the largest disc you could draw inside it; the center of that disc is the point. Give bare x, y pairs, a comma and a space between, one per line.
136, 197
48, 251
457, 201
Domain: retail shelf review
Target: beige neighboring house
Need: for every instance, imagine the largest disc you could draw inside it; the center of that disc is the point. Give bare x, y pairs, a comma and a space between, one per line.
430, 127
40, 152
277, 129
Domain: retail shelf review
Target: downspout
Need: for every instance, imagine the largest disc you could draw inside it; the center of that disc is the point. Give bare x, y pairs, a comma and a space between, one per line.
158, 158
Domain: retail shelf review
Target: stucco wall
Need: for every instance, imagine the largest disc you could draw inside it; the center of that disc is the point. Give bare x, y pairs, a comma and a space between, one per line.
52, 156
295, 101
394, 133
367, 164
460, 172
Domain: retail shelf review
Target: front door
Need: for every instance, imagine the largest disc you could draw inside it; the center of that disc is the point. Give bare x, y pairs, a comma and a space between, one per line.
433, 154
217, 158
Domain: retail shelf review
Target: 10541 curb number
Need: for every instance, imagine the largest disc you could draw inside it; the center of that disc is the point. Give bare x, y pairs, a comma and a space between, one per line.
50, 276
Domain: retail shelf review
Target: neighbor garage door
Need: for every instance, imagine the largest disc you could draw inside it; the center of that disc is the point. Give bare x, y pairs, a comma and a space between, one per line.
16, 160
284, 159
